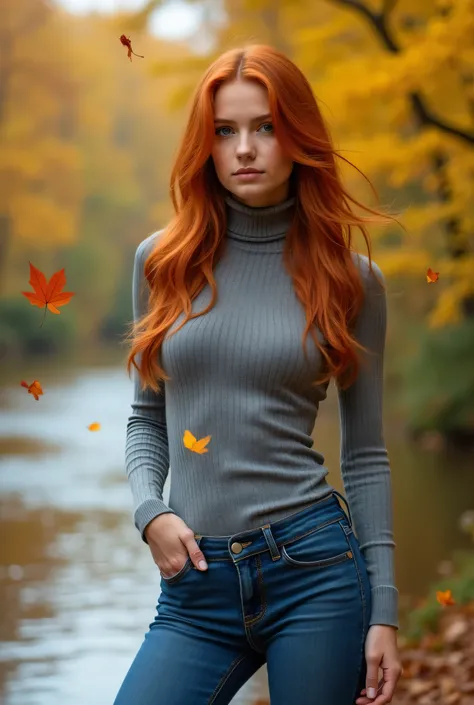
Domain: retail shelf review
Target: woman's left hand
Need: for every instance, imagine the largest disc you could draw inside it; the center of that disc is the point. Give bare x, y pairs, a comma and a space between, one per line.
381, 651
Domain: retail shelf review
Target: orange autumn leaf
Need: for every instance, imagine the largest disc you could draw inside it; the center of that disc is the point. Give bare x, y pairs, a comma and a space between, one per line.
445, 598
193, 444
94, 426
431, 276
48, 294
34, 388
127, 43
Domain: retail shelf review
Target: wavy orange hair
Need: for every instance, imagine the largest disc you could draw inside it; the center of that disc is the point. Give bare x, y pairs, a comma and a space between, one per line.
318, 243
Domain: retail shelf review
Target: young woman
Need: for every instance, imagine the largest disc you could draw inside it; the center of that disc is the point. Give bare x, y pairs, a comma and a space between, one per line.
259, 561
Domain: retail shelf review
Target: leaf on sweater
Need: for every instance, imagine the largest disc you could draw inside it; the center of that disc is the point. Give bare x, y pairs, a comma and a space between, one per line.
431, 276
127, 43
34, 388
48, 295
193, 444
445, 598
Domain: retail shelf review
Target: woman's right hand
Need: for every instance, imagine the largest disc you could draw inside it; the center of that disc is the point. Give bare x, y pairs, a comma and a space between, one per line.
171, 541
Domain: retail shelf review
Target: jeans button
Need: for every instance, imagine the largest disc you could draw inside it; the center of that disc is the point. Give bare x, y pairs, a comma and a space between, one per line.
236, 547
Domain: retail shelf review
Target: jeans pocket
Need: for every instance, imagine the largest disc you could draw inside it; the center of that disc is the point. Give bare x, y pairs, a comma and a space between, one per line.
188, 565
181, 572
318, 548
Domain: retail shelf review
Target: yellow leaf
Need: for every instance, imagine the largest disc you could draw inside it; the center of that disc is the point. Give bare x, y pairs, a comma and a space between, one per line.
193, 444
94, 426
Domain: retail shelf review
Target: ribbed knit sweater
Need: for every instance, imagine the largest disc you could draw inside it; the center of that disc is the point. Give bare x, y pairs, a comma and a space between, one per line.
239, 374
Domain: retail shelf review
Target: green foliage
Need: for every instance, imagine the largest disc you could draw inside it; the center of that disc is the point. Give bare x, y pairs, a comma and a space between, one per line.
21, 335
440, 380
114, 325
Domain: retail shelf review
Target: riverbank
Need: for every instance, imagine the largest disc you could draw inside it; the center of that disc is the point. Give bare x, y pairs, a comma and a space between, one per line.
437, 646
440, 669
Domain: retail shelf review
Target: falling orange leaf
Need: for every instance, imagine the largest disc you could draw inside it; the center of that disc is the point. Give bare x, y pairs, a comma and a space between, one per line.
431, 276
34, 388
193, 444
94, 426
47, 294
445, 598
127, 43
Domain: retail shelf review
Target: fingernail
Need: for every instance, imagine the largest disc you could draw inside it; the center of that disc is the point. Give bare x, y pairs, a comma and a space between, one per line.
371, 692
203, 566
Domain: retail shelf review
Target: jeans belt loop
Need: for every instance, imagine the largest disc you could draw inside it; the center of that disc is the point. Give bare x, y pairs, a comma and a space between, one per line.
271, 543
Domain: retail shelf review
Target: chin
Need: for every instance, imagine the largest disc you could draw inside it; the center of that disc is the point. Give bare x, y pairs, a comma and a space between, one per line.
254, 189
253, 196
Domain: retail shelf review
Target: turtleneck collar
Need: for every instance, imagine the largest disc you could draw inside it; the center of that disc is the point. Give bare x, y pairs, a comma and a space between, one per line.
251, 224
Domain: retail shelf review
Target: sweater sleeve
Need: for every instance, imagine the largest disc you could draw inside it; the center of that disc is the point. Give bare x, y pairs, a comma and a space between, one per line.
146, 445
365, 466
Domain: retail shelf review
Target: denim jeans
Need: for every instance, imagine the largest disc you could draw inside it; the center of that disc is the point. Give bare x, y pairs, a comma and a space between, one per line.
293, 594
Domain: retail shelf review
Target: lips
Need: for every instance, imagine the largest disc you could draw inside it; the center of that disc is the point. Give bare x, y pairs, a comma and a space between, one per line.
248, 171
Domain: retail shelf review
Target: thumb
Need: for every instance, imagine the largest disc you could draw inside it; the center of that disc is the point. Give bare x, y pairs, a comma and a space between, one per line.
195, 553
372, 677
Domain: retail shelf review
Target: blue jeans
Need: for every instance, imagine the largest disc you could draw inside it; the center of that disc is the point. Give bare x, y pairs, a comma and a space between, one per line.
293, 594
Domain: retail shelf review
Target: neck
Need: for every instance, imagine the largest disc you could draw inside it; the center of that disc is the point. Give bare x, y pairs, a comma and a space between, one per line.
251, 224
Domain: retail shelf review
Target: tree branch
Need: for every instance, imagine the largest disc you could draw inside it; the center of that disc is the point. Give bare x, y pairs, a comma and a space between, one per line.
379, 21
388, 6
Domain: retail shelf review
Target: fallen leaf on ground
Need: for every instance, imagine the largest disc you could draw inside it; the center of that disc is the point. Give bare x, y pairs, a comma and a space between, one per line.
445, 598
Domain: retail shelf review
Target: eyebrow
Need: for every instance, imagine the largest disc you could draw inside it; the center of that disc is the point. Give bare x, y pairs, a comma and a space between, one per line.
255, 119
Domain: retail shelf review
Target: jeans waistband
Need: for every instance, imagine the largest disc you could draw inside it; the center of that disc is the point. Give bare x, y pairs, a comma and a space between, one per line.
272, 535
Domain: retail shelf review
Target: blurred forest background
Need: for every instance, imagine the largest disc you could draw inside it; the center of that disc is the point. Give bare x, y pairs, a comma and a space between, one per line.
87, 140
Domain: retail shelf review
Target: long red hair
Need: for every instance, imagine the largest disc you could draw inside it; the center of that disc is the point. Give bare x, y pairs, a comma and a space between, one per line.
318, 248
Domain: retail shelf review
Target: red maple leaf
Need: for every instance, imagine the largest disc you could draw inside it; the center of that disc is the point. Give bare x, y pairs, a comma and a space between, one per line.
47, 294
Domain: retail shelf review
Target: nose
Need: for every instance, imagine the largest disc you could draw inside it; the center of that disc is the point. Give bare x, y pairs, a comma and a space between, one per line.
245, 146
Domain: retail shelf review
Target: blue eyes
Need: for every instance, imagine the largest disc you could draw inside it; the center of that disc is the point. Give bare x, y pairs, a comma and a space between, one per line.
226, 127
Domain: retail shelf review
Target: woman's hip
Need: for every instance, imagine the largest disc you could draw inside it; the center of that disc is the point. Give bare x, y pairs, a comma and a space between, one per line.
308, 562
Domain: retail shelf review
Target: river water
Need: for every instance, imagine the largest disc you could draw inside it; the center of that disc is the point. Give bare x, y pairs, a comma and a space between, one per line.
78, 587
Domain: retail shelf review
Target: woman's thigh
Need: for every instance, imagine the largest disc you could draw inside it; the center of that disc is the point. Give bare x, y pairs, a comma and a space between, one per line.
316, 656
195, 652
174, 668
316, 661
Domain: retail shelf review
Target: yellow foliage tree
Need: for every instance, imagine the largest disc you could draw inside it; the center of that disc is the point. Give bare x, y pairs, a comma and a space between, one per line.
40, 190
407, 105
398, 81
85, 140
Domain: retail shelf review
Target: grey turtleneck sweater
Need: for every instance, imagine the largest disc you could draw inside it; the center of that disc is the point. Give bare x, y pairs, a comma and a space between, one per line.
239, 374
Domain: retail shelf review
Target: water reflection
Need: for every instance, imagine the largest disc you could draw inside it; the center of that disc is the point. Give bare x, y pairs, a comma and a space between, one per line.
77, 599
78, 588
